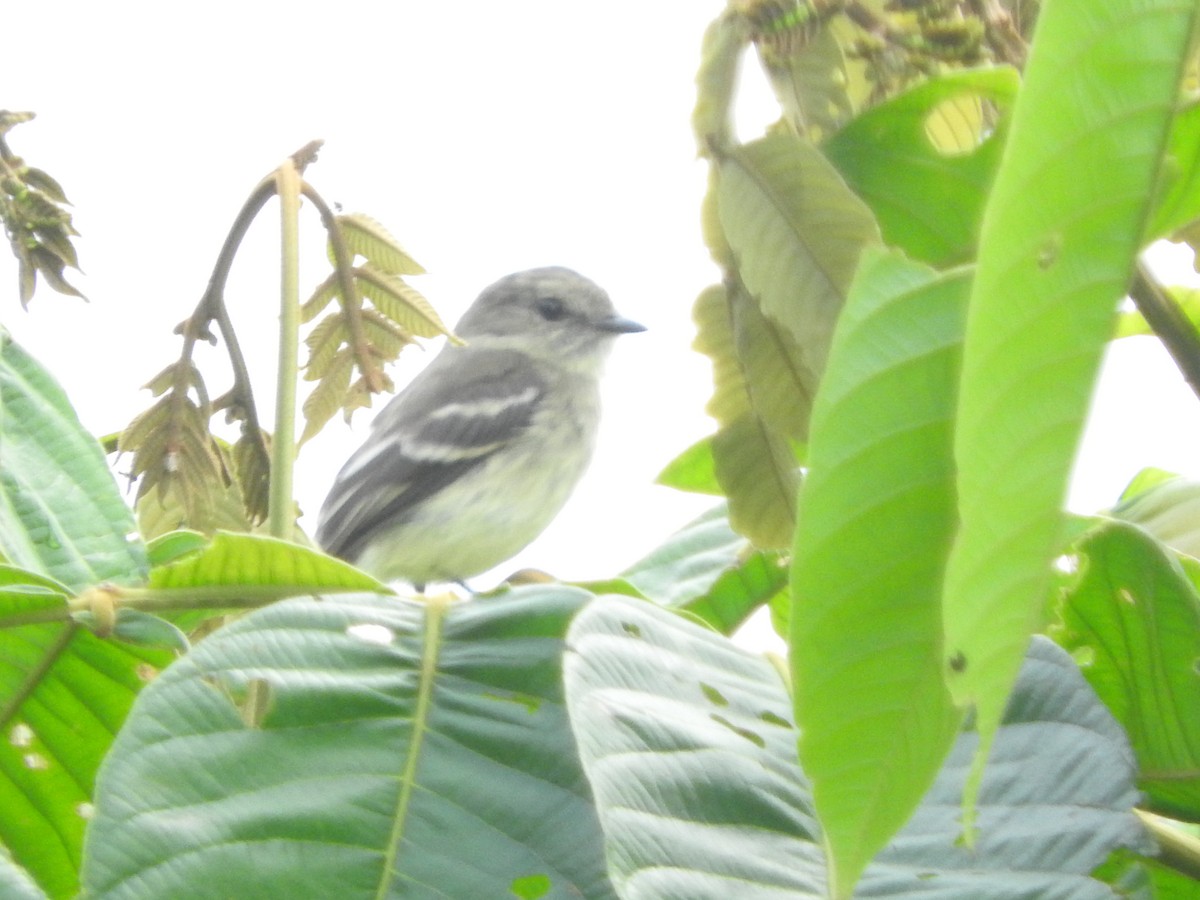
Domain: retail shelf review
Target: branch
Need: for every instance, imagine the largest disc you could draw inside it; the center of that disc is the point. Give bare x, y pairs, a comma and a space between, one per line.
1169, 324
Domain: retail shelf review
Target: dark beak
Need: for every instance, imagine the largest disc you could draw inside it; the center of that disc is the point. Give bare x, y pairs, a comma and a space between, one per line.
619, 325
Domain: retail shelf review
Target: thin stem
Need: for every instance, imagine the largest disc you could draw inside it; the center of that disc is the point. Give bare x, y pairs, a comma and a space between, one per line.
1169, 324
1177, 850
281, 517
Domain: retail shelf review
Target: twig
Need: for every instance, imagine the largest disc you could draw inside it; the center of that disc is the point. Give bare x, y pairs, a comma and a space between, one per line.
1169, 324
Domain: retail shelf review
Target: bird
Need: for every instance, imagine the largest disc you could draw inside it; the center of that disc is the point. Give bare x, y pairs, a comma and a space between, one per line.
473, 459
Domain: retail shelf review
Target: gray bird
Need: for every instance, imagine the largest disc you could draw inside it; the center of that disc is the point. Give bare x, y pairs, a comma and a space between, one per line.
474, 458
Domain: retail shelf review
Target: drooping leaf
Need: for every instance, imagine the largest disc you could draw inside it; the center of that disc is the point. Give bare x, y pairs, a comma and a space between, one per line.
1133, 621
415, 750
689, 748
1059, 241
806, 66
877, 514
797, 232
753, 460
716, 81
929, 200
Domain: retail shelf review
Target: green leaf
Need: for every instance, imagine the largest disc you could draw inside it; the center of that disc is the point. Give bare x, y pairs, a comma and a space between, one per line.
692, 470
688, 746
368, 747
63, 691
710, 571
1133, 620
929, 201
797, 231
260, 565
15, 883
1178, 203
1059, 242
60, 511
174, 545
1167, 506
877, 512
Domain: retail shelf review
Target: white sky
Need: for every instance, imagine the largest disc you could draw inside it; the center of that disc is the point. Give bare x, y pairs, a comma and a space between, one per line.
488, 137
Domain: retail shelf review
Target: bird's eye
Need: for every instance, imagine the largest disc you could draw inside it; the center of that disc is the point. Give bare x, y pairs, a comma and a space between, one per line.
551, 308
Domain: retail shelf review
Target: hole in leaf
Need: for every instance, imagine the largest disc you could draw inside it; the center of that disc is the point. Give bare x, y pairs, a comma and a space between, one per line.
370, 633
85, 810
630, 629
1068, 563
752, 736
35, 761
715, 697
530, 703
771, 719
958, 125
21, 735
957, 662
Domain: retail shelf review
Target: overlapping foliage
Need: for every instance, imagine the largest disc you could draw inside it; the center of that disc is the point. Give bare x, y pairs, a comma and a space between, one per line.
920, 266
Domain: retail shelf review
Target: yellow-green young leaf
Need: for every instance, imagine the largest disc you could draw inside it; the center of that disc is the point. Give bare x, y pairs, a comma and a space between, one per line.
172, 507
386, 338
367, 238
400, 302
780, 383
323, 342
797, 232
324, 293
730, 400
758, 471
251, 462
330, 394
1071, 202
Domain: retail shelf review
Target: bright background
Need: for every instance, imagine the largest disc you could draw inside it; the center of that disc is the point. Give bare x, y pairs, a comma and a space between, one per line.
487, 137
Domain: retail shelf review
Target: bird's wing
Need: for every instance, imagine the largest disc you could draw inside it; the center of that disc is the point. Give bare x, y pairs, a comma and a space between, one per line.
451, 419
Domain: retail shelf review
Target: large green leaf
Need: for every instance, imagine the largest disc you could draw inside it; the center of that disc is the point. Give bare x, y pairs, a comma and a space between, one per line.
15, 883
63, 692
751, 453
60, 511
691, 756
1133, 619
711, 571
355, 748
1169, 509
929, 199
876, 517
1060, 236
